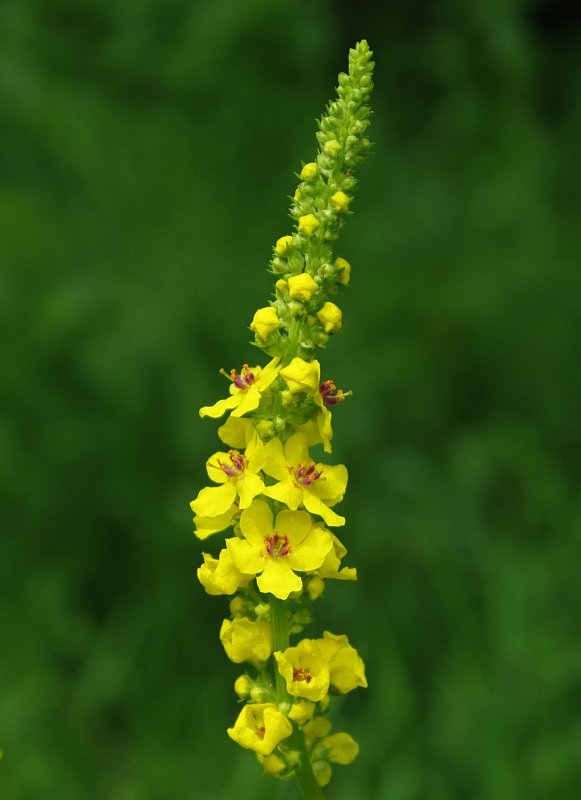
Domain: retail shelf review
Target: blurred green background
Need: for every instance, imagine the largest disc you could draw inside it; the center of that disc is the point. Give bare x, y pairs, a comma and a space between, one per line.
146, 151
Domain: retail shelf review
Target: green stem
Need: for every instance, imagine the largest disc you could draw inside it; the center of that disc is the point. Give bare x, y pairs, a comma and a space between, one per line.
280, 639
310, 789
293, 342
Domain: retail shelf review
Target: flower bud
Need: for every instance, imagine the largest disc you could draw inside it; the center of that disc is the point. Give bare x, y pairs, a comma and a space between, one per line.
302, 287
309, 171
264, 429
330, 317
308, 224
243, 686
344, 270
295, 308
282, 245
340, 202
332, 148
258, 694
262, 611
238, 606
315, 587
265, 322
281, 285
273, 764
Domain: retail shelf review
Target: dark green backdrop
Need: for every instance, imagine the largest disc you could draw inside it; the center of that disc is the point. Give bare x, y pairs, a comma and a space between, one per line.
147, 148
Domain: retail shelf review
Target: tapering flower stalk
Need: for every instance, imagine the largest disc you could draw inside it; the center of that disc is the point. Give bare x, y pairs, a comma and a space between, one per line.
277, 502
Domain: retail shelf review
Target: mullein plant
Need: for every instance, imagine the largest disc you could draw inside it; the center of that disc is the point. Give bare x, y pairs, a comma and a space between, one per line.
276, 502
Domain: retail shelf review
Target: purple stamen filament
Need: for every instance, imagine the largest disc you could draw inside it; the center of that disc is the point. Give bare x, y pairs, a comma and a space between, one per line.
277, 545
302, 674
237, 464
306, 474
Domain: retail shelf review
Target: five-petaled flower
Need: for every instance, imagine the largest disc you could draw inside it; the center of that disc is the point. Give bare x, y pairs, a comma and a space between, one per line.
303, 482
246, 389
275, 552
237, 475
260, 727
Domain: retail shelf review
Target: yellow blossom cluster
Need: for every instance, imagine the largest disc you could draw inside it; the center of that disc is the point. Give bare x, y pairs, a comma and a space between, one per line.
276, 501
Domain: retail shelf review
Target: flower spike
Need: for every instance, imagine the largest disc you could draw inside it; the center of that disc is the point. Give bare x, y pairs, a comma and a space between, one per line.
273, 497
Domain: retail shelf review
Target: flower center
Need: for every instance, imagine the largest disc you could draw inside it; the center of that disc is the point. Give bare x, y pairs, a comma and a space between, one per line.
260, 731
330, 394
277, 545
302, 674
242, 380
236, 466
306, 474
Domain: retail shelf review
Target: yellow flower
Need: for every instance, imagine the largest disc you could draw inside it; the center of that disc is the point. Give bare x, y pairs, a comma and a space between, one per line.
245, 640
303, 286
264, 322
283, 245
330, 317
305, 671
315, 664
220, 576
344, 268
301, 481
308, 224
238, 477
346, 668
340, 202
260, 727
245, 390
309, 171
275, 552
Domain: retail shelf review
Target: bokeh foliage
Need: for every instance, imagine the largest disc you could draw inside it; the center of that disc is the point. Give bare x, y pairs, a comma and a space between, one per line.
146, 148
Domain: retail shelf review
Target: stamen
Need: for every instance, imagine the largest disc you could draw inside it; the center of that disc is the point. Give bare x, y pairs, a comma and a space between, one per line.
307, 473
277, 546
302, 674
242, 381
331, 395
237, 464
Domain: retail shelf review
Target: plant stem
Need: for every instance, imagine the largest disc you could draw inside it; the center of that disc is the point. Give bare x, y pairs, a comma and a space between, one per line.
280, 638
310, 789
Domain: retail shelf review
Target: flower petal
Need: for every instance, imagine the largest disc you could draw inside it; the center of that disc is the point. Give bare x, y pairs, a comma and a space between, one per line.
296, 525
285, 492
249, 486
296, 450
315, 505
256, 523
276, 464
311, 553
212, 501
250, 400
220, 408
278, 578
246, 558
